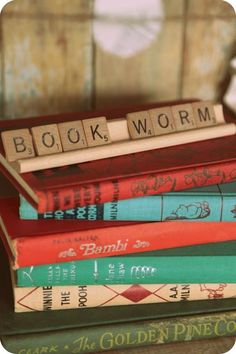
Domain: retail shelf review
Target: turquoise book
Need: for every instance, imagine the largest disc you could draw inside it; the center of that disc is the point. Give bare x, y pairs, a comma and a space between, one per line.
211, 203
132, 270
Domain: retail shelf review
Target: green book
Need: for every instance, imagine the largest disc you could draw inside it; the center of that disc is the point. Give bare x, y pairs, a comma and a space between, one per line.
109, 328
124, 335
207, 263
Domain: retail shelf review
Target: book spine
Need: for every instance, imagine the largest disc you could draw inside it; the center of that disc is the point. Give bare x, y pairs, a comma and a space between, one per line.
124, 335
132, 187
132, 270
121, 240
183, 206
49, 298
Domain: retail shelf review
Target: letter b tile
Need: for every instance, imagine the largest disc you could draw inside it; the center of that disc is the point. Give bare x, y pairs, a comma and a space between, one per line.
17, 144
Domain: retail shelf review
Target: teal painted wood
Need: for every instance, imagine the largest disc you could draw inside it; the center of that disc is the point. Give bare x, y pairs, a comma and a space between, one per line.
212, 203
132, 270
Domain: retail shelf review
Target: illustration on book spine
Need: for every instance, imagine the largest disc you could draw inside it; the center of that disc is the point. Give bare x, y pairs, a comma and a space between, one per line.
195, 210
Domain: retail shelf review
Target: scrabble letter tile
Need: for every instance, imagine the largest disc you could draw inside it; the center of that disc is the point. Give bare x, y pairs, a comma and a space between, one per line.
96, 131
46, 139
139, 125
72, 135
17, 144
183, 117
204, 113
162, 120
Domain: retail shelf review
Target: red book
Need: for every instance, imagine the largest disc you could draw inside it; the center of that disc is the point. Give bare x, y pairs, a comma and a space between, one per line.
49, 241
134, 175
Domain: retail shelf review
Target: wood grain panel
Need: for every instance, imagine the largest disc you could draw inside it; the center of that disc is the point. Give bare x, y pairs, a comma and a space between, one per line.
43, 7
173, 8
210, 8
47, 65
209, 47
150, 75
75, 7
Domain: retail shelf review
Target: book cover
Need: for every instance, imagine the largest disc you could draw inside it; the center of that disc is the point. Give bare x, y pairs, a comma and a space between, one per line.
35, 242
12, 324
25, 276
125, 335
132, 270
48, 298
211, 203
130, 176
204, 250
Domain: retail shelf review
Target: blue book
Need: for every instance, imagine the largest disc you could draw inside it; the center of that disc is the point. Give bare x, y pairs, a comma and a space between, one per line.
211, 203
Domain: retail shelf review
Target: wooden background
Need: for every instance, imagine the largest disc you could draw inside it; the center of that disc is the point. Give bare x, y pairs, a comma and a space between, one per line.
50, 62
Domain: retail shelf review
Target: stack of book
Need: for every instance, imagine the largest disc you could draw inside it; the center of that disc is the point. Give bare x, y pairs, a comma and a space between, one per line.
128, 246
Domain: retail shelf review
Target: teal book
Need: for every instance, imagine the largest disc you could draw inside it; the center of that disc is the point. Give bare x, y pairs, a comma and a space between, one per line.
207, 263
211, 203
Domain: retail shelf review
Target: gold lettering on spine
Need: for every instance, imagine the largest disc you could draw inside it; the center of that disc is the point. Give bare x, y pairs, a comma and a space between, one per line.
207, 329
196, 330
106, 341
231, 327
218, 329
179, 330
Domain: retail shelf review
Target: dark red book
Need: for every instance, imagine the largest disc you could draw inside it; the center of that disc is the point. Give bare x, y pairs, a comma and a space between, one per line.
49, 241
134, 175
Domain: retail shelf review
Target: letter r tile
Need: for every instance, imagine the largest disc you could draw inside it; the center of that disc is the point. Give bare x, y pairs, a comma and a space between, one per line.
183, 117
17, 144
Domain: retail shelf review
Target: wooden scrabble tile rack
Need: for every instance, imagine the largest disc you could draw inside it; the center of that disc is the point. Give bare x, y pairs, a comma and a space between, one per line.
55, 145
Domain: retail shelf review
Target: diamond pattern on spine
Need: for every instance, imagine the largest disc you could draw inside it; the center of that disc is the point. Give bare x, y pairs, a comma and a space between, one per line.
136, 293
